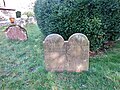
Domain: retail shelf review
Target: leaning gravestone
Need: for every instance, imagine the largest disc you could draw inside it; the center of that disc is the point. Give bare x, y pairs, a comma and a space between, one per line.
71, 55
16, 32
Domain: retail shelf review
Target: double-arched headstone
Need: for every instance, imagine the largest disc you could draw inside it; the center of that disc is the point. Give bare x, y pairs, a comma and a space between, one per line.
71, 55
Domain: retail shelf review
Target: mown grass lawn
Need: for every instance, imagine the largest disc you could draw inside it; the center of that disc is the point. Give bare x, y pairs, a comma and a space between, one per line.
22, 67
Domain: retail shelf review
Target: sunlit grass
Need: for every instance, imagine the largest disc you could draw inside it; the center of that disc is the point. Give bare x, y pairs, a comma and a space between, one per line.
22, 67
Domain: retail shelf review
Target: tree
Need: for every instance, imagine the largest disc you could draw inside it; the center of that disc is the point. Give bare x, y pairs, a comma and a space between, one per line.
28, 14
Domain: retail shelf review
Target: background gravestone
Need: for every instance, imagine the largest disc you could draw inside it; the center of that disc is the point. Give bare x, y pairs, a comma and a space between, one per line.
15, 32
71, 55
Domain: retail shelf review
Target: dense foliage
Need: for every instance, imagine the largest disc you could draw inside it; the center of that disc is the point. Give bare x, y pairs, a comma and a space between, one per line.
99, 20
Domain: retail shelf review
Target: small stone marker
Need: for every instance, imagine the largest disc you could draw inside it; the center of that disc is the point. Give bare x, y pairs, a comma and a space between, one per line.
71, 55
15, 32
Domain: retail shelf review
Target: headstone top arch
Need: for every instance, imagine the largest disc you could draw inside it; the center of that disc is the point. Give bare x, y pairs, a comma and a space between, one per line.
79, 38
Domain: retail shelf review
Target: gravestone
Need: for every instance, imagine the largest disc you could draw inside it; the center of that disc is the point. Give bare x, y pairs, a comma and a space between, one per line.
71, 55
54, 52
16, 32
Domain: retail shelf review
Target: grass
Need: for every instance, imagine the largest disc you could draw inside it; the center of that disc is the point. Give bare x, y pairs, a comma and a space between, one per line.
2, 28
22, 67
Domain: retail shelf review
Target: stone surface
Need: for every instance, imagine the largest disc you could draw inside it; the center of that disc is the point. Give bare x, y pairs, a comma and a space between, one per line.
54, 52
78, 52
15, 32
71, 55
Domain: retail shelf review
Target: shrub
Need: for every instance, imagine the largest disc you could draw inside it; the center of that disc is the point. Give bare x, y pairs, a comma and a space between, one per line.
110, 14
99, 20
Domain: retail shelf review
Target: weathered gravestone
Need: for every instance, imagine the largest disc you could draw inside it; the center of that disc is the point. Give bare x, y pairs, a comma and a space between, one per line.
71, 55
16, 32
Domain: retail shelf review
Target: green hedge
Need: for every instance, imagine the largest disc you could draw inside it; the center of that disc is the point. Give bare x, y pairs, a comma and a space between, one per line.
99, 20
